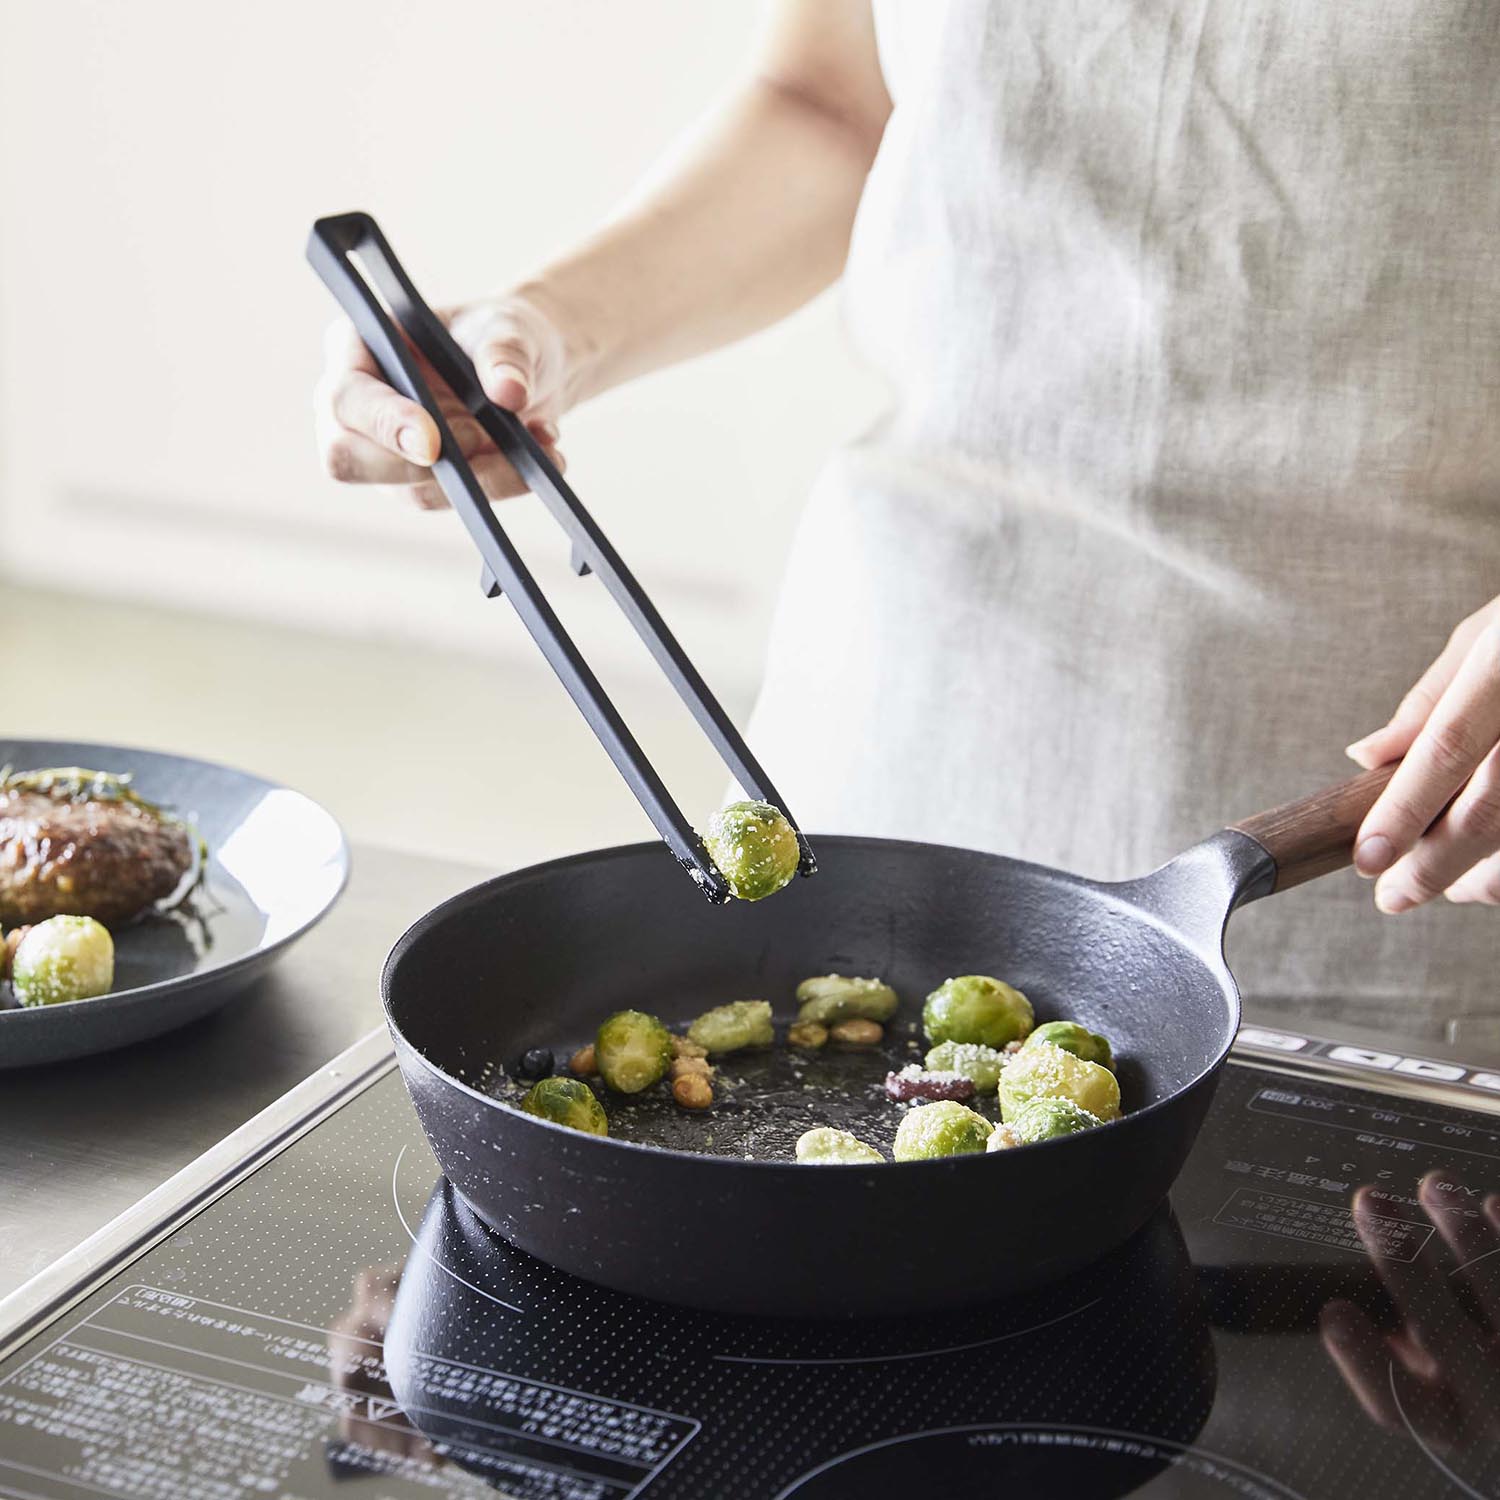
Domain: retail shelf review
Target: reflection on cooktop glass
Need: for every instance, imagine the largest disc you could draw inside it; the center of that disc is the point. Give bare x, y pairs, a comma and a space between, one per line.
1315, 1317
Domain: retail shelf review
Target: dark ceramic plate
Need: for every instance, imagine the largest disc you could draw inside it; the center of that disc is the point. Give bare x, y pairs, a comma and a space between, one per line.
277, 862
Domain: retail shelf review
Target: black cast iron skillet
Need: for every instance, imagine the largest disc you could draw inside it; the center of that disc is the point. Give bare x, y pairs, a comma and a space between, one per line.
708, 1210
538, 958
1127, 1337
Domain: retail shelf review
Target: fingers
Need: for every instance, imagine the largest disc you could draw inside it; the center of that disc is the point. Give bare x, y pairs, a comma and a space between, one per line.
518, 355
1458, 734
1393, 740
1466, 834
1480, 884
1358, 1349
1465, 1223
504, 372
353, 459
368, 433
366, 405
496, 478
352, 399
1419, 1287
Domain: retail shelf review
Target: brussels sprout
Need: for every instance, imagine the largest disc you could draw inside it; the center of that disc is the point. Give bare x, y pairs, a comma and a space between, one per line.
1078, 1040
754, 847
1002, 1139
1044, 1119
567, 1101
832, 998
1045, 1071
632, 1051
63, 958
981, 1065
942, 1129
826, 1146
727, 1028
976, 1008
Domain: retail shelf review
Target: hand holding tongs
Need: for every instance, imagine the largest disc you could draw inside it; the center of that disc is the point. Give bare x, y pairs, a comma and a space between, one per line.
331, 249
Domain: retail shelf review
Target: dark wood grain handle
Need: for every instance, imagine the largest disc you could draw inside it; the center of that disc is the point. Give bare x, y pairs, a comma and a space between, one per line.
1315, 835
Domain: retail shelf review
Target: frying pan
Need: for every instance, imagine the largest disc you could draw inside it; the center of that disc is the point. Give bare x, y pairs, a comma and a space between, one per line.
707, 1209
539, 957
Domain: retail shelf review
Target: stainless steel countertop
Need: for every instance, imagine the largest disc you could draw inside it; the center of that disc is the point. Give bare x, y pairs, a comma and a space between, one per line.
82, 1141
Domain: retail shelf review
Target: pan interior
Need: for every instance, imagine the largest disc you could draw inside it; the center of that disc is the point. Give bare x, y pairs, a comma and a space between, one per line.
539, 958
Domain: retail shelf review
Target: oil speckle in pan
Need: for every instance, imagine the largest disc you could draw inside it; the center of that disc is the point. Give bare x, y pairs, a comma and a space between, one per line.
765, 1099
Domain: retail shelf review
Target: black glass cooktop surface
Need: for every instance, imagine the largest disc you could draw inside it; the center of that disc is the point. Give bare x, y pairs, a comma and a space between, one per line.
1314, 1317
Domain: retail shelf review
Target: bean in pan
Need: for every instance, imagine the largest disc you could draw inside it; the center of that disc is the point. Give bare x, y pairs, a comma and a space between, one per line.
733, 1027
831, 998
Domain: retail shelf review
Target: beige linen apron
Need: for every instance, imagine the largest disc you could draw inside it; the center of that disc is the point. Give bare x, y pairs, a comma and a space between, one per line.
1191, 316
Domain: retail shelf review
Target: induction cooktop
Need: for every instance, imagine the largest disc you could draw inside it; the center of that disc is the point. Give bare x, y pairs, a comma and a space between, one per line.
311, 1311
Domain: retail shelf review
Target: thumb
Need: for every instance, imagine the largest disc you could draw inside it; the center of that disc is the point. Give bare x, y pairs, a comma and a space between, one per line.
505, 367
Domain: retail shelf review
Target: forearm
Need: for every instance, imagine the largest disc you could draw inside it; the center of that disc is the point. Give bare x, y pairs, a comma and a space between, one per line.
749, 223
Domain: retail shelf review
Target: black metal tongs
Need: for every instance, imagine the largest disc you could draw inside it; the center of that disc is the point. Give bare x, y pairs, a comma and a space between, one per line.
333, 247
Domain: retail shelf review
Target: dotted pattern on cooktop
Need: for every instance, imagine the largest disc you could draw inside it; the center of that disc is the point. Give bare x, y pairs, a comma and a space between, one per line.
342, 1309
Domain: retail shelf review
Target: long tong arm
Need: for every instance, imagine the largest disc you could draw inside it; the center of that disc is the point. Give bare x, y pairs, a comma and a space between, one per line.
379, 282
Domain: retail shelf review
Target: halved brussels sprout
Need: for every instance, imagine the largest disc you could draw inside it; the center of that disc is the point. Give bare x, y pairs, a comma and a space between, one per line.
1077, 1039
831, 998
632, 1051
567, 1101
728, 1028
826, 1146
976, 1008
754, 847
1044, 1119
1045, 1071
63, 958
942, 1129
981, 1065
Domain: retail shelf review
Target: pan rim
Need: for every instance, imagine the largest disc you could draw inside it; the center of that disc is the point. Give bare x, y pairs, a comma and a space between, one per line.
473, 894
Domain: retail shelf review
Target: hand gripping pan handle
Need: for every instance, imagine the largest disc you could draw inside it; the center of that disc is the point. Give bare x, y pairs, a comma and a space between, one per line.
365, 287
1315, 835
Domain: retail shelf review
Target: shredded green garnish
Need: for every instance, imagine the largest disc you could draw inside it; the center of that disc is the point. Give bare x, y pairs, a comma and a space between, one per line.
75, 784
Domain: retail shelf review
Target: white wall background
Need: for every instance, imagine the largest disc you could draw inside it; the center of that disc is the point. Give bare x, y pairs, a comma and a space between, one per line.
160, 162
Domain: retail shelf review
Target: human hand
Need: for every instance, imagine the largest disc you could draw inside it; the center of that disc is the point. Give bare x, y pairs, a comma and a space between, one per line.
369, 433
1436, 828
1447, 1353
369, 1415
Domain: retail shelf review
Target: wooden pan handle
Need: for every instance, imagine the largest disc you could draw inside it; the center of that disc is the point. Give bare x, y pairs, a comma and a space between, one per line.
1315, 835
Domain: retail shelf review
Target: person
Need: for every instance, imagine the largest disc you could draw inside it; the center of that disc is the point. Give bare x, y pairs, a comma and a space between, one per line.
1191, 464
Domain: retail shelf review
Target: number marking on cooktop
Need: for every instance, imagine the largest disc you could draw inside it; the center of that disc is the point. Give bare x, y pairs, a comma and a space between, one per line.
1378, 1124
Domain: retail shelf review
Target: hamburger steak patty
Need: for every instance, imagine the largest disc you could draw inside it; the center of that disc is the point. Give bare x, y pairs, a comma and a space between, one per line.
100, 858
